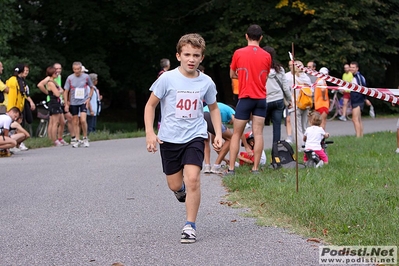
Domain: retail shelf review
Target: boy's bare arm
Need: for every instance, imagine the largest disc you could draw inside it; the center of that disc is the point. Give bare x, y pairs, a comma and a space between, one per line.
217, 125
149, 116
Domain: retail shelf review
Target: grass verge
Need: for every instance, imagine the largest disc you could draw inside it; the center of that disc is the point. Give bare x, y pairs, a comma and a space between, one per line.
354, 200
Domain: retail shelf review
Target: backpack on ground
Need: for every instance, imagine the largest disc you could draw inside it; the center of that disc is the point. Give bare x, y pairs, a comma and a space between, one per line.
283, 155
305, 98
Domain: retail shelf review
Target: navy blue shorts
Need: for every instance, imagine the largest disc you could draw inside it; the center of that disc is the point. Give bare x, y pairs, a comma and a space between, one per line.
175, 156
354, 105
75, 109
247, 106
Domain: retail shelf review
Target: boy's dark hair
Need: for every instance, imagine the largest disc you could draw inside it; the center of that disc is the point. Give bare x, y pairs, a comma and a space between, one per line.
254, 32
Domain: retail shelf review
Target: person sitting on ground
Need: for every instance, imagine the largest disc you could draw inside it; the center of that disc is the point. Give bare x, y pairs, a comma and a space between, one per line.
6, 120
313, 137
18, 133
248, 157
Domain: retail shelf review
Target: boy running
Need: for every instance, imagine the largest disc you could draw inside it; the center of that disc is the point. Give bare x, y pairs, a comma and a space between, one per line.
181, 93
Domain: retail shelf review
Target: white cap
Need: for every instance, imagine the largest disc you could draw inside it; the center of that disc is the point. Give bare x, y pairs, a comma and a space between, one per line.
84, 69
324, 70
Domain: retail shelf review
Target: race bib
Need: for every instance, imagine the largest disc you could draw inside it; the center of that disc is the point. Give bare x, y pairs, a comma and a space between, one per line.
80, 93
187, 104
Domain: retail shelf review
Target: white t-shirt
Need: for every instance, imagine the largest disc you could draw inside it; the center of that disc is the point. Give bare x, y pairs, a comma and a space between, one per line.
314, 135
181, 98
5, 122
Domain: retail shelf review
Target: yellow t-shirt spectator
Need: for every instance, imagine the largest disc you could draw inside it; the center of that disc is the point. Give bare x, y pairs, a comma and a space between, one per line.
15, 97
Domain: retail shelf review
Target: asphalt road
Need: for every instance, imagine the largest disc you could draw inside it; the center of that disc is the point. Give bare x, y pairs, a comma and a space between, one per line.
110, 203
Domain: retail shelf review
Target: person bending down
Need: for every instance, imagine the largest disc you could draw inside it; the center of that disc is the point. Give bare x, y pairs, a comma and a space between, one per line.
248, 157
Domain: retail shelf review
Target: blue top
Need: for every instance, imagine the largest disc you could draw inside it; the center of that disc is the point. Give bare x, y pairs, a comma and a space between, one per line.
226, 112
181, 100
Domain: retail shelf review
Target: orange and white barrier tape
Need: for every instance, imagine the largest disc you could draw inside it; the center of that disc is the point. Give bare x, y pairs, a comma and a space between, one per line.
394, 92
351, 86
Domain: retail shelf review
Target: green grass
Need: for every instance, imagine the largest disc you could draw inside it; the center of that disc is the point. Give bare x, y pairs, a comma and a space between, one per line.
352, 201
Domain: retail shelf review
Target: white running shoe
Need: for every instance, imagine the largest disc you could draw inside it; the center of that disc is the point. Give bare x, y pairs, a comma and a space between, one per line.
397, 150
342, 118
86, 143
73, 141
188, 235
77, 143
14, 150
22, 147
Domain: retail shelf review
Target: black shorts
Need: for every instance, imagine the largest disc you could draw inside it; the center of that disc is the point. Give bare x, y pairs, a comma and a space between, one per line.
55, 108
175, 156
247, 106
75, 109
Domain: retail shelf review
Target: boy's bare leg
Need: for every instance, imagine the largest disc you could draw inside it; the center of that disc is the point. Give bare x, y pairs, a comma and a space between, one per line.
193, 191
